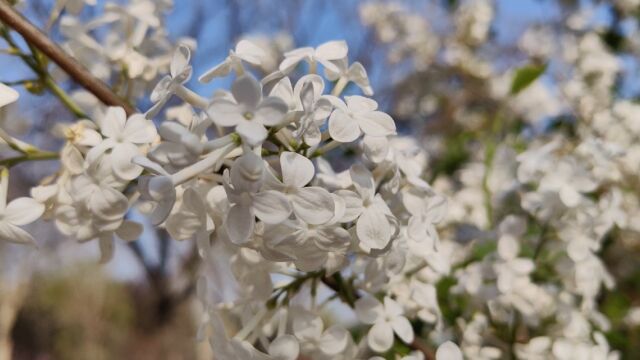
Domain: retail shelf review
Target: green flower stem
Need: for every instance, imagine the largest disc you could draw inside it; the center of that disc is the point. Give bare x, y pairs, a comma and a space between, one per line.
64, 98
33, 156
12, 19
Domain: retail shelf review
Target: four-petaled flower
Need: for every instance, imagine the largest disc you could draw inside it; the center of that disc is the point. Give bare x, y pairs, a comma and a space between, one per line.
372, 226
248, 112
312, 204
243, 190
387, 319
123, 137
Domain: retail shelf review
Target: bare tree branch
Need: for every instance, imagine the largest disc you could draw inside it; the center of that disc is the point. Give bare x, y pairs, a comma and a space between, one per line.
34, 36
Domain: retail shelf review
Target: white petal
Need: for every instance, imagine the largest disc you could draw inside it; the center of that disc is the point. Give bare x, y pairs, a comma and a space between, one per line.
392, 308
112, 123
332, 239
180, 60
376, 123
448, 351
334, 340
225, 112
373, 229
307, 326
72, 159
149, 165
376, 147
250, 52
340, 206
108, 203
252, 132
380, 338
508, 247
332, 50
314, 205
271, 111
342, 127
369, 309
360, 104
285, 347
402, 328
353, 205
271, 206
121, 157
161, 91
363, 181
569, 196
297, 170
89, 137
289, 63
22, 211
239, 223
247, 173
312, 136
7, 95
358, 74
247, 91
94, 154
139, 130
14, 234
329, 66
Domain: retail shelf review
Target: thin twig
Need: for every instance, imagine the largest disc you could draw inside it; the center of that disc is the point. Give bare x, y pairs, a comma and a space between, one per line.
79, 73
45, 155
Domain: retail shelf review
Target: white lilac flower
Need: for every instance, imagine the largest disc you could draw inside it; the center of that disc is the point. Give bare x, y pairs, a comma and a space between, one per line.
426, 211
323, 54
180, 73
188, 219
312, 204
248, 112
309, 329
387, 319
306, 104
123, 137
245, 51
359, 115
310, 247
368, 209
243, 184
355, 73
18, 212
180, 147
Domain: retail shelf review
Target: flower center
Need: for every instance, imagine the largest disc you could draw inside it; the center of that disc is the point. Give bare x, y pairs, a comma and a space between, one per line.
248, 115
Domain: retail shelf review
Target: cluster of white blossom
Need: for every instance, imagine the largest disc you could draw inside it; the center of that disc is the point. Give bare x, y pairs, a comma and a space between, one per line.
127, 41
265, 188
530, 213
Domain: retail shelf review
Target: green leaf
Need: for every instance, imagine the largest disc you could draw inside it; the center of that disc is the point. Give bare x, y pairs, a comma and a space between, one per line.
525, 76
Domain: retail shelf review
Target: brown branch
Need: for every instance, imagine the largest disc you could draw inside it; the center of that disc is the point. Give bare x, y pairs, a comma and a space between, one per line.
11, 18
